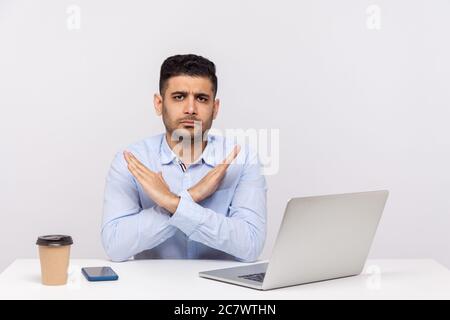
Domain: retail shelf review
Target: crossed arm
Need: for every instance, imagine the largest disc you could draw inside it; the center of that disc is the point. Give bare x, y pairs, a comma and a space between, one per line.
157, 189
128, 229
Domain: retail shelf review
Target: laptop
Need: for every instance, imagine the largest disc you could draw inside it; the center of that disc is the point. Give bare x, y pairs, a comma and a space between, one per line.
320, 238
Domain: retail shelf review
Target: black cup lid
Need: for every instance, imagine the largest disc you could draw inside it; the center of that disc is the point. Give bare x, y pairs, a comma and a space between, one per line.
54, 240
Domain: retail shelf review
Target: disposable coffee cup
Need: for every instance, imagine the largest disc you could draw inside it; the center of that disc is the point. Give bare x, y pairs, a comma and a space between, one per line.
54, 253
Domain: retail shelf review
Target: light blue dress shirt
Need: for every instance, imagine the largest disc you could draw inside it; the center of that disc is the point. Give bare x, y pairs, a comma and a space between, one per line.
230, 224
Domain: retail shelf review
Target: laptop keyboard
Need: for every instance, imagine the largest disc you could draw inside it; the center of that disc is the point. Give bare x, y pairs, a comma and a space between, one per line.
259, 277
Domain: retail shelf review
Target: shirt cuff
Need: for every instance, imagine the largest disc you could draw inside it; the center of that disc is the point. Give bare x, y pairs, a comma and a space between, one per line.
189, 215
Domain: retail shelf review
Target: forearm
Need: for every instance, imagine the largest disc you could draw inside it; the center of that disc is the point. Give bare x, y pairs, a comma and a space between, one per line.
242, 234
128, 235
234, 236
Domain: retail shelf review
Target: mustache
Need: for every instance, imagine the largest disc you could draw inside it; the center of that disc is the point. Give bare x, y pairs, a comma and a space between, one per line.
190, 119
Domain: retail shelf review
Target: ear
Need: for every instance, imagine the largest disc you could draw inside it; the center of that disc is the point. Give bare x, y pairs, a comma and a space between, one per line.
216, 107
157, 102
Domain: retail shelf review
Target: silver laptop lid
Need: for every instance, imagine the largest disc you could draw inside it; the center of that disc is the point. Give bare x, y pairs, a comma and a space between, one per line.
324, 237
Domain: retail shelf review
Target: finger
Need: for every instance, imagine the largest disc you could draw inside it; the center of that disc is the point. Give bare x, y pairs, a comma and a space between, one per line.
138, 171
138, 164
133, 158
134, 168
135, 172
229, 159
126, 156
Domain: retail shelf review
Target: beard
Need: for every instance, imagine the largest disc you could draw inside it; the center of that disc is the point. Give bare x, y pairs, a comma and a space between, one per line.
186, 131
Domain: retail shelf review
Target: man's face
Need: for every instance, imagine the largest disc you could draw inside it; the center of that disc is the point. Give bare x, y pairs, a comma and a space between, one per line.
188, 104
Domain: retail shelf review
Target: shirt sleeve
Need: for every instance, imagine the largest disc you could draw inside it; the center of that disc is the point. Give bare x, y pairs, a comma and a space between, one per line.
242, 232
127, 229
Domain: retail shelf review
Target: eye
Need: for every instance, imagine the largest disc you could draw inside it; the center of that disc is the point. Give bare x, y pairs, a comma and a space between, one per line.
202, 99
178, 97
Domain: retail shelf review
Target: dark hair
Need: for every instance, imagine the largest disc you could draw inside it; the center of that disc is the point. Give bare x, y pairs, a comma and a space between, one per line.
190, 65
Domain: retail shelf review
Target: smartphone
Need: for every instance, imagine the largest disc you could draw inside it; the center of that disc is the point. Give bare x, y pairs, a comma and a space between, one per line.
99, 274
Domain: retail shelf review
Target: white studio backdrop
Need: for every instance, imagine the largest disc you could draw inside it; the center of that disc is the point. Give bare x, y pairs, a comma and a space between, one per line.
359, 91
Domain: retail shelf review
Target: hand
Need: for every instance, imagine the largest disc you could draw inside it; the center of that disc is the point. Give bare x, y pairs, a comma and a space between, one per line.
153, 183
209, 183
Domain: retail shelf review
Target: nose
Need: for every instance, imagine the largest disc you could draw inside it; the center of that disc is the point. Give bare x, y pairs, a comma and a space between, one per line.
190, 107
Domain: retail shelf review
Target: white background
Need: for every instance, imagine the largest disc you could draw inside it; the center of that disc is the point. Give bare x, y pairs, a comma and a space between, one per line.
357, 109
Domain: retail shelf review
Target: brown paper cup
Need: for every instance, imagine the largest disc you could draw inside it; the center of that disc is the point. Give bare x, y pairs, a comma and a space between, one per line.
54, 254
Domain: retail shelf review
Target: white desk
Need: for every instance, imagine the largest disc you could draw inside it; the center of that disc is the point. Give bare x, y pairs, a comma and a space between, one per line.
178, 279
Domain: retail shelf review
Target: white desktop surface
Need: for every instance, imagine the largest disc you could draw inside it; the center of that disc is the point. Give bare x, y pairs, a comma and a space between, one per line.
179, 279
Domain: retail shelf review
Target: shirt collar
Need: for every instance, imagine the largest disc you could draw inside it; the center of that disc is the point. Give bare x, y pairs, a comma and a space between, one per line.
208, 155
